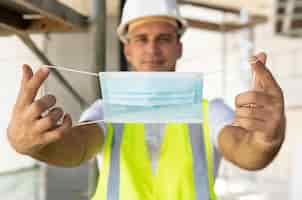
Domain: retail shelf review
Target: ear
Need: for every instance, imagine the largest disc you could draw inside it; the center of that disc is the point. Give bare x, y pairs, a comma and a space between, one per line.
127, 51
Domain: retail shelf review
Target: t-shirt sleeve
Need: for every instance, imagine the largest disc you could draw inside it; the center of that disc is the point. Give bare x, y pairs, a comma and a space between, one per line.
94, 113
220, 115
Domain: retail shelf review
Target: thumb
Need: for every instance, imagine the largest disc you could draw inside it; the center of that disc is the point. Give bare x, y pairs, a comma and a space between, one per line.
263, 78
262, 57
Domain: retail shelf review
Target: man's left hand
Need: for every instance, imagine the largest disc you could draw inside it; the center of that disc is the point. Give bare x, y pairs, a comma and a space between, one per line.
258, 130
261, 111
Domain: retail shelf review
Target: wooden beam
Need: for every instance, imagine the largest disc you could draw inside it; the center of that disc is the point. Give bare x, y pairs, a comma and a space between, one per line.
259, 9
83, 7
45, 25
255, 19
219, 27
54, 10
210, 6
49, 16
12, 19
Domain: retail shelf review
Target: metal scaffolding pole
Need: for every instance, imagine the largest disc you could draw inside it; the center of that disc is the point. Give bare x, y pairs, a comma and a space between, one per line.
99, 19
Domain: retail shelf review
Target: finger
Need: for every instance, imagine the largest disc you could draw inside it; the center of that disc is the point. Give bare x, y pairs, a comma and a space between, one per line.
27, 74
250, 125
264, 80
36, 109
259, 99
253, 113
50, 121
59, 132
262, 57
32, 87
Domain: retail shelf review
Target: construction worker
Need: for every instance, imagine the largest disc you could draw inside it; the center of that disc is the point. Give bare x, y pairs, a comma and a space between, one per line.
153, 161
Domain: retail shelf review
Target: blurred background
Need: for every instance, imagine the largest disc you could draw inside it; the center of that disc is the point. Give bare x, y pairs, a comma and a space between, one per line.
81, 34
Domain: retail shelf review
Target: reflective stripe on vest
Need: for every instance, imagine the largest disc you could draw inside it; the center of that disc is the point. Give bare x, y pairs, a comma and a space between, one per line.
126, 168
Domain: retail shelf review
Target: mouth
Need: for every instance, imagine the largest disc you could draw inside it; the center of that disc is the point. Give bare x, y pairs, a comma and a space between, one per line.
154, 63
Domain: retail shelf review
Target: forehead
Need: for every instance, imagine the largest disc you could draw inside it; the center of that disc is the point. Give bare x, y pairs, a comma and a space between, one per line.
154, 28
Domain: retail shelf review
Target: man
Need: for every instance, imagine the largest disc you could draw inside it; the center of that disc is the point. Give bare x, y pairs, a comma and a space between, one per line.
250, 138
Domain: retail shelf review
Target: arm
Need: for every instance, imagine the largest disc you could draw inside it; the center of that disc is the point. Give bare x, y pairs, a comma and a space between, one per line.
258, 130
33, 134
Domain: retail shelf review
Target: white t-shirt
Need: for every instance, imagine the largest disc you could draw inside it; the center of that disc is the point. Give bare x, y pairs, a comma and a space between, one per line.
219, 115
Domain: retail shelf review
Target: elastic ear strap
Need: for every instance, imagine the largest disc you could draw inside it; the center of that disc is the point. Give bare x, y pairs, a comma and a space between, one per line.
72, 70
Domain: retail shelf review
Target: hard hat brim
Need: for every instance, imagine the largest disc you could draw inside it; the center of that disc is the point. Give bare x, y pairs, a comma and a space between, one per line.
122, 30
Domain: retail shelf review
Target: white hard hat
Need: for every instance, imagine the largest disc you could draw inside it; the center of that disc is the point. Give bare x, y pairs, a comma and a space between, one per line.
138, 9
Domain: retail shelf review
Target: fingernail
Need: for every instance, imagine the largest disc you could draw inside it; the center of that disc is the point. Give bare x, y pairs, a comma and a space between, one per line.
58, 113
253, 60
67, 116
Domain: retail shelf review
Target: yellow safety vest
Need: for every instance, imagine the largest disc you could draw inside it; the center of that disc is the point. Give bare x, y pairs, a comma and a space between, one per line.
126, 168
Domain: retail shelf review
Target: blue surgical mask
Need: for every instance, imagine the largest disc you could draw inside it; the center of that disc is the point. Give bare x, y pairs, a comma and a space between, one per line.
149, 97
152, 97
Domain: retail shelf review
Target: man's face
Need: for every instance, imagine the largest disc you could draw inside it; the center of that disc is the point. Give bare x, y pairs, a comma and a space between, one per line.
153, 46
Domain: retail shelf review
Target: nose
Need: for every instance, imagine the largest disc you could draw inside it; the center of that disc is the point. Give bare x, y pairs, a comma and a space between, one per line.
152, 48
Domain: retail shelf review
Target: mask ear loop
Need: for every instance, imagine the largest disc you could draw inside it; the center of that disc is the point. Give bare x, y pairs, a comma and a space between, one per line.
80, 72
72, 70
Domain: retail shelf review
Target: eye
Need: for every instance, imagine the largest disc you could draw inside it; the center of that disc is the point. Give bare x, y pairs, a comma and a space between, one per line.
140, 40
165, 39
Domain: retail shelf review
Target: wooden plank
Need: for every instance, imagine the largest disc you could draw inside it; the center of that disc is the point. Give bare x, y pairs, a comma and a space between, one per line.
39, 16
255, 19
219, 27
46, 26
255, 7
11, 6
43, 25
55, 11
81, 6
12, 19
210, 6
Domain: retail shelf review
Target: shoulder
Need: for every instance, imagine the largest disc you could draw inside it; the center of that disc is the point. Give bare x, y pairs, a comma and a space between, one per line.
97, 104
93, 112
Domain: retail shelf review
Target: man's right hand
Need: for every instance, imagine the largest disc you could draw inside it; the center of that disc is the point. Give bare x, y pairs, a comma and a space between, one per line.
28, 131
